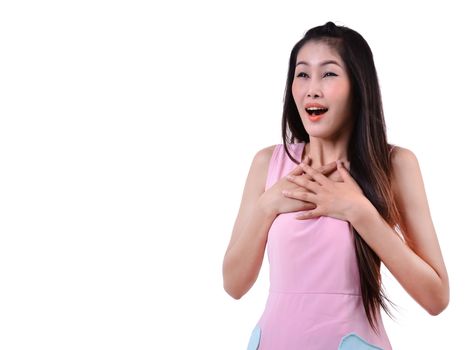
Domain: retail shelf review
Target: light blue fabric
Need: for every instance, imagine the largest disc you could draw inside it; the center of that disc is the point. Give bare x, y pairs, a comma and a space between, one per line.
255, 339
354, 342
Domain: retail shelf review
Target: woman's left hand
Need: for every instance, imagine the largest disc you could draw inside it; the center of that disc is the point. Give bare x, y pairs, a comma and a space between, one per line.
331, 198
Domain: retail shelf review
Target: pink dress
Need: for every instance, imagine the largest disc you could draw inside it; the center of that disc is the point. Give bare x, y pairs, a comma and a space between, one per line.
314, 300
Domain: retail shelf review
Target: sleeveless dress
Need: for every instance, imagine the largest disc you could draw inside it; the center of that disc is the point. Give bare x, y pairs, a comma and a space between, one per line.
314, 300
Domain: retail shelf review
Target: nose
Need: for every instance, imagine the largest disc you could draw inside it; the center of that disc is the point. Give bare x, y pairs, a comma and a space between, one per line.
314, 90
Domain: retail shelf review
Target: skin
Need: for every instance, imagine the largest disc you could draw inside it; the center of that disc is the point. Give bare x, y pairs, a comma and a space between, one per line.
322, 188
419, 268
329, 85
258, 210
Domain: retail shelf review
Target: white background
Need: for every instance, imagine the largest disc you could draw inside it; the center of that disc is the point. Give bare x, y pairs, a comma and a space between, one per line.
126, 134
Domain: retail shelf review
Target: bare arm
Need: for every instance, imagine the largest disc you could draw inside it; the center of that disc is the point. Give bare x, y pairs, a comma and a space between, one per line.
420, 268
244, 255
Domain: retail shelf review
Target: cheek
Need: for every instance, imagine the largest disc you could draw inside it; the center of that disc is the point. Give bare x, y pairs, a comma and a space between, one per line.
341, 95
295, 89
298, 87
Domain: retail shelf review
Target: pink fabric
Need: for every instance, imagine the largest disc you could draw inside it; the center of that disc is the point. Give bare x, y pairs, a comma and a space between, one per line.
314, 297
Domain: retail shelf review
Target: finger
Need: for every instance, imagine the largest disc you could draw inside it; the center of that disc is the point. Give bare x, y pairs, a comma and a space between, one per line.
345, 174
317, 176
307, 161
327, 168
306, 181
338, 177
305, 176
298, 170
303, 196
310, 214
324, 169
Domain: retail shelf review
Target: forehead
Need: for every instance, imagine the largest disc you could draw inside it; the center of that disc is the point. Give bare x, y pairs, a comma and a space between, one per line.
315, 52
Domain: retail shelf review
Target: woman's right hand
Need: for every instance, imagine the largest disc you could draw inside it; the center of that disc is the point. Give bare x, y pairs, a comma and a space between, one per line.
273, 201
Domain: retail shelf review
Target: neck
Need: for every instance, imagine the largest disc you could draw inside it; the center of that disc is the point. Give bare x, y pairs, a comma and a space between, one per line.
323, 151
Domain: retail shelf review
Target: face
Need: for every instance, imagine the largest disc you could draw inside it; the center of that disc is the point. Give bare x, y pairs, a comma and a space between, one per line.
322, 82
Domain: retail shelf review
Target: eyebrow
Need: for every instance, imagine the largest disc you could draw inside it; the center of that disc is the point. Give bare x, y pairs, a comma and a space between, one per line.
324, 63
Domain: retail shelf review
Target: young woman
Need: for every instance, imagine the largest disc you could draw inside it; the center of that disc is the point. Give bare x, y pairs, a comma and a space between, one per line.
350, 201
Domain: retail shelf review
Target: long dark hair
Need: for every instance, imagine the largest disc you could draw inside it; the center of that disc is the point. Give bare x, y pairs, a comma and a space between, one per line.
368, 150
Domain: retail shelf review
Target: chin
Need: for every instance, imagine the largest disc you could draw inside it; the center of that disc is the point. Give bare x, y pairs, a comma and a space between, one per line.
321, 134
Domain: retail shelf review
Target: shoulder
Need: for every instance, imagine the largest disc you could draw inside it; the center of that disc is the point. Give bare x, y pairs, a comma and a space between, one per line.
263, 156
403, 159
406, 173
260, 166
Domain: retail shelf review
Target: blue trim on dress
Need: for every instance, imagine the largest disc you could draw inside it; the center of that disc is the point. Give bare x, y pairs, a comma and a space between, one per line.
255, 339
353, 341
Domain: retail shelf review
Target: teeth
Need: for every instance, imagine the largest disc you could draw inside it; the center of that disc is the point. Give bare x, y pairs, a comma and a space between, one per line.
316, 110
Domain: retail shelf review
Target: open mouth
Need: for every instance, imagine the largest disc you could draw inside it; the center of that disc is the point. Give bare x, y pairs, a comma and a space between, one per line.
316, 111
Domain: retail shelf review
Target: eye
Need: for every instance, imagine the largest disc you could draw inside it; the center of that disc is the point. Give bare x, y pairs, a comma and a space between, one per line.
331, 74
300, 74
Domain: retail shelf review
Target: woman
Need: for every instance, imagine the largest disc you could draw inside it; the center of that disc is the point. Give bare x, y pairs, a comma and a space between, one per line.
359, 201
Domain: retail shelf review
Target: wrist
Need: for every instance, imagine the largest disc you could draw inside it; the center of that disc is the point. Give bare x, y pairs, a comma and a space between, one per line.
265, 209
361, 208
